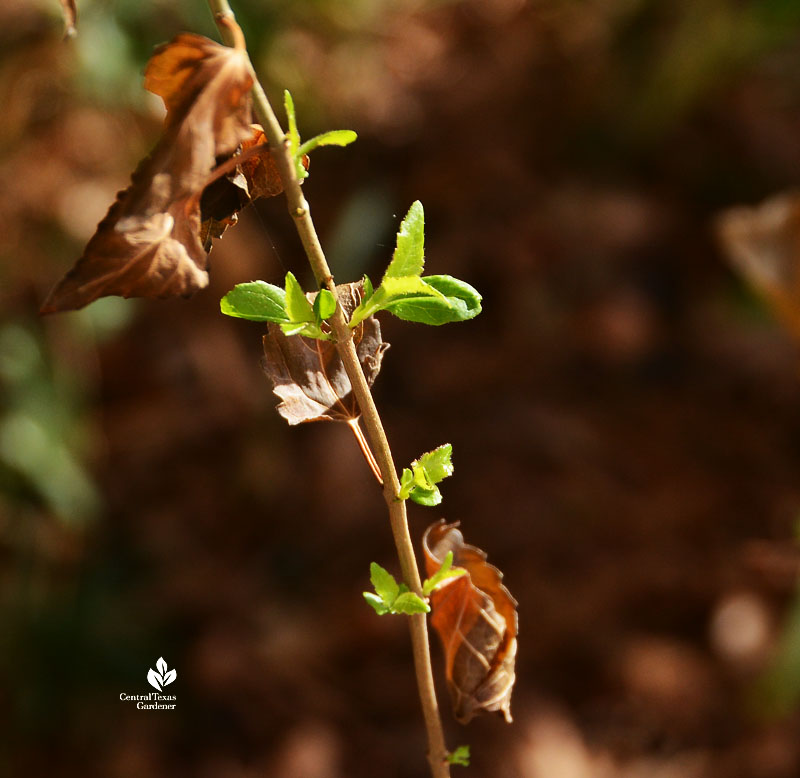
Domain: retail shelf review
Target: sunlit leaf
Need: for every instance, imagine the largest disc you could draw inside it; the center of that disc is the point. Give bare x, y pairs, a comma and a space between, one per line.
408, 258
332, 138
445, 572
298, 307
384, 582
256, 301
409, 603
461, 302
324, 305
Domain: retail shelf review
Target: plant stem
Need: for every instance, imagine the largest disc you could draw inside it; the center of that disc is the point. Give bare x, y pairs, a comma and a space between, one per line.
301, 212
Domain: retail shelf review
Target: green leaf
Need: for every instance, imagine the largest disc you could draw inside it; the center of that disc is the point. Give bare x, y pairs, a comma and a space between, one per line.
377, 603
294, 135
408, 258
410, 603
394, 290
306, 329
460, 756
464, 302
256, 301
437, 464
297, 305
427, 497
367, 287
332, 138
390, 596
419, 483
384, 583
324, 305
442, 574
406, 484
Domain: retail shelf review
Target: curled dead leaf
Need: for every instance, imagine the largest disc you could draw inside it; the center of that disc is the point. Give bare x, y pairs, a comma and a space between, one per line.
476, 619
763, 244
148, 245
309, 376
257, 176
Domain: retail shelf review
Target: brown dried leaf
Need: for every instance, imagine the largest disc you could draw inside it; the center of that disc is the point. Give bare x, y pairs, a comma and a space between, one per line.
148, 245
261, 172
763, 244
257, 176
476, 618
308, 375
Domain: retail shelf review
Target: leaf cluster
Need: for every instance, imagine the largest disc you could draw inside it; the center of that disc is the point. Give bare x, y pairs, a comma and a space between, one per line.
390, 596
409, 295
403, 291
419, 481
289, 307
393, 597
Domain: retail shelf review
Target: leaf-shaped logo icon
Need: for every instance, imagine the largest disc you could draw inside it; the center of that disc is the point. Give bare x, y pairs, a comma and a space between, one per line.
154, 679
159, 679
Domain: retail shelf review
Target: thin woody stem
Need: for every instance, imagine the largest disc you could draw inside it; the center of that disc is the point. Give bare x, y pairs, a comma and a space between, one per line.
365, 449
301, 213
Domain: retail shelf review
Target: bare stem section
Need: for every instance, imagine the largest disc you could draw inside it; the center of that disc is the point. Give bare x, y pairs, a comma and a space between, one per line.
301, 213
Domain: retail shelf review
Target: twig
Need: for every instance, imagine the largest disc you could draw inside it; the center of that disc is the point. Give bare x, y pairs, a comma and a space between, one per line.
301, 212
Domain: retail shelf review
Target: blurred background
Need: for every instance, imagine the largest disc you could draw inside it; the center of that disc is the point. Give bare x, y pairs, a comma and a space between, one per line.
625, 414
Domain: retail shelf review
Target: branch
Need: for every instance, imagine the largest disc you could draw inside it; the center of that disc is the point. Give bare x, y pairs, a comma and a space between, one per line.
301, 213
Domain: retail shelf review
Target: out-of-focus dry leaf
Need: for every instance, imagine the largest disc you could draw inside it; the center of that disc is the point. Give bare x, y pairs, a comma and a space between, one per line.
476, 618
70, 9
308, 375
148, 245
763, 244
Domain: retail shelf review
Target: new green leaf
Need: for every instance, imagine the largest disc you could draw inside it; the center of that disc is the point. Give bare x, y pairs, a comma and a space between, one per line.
425, 473
383, 581
256, 301
409, 603
366, 286
297, 305
460, 756
408, 258
437, 464
460, 302
378, 605
393, 290
324, 305
442, 574
390, 596
427, 497
294, 136
332, 138
291, 117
